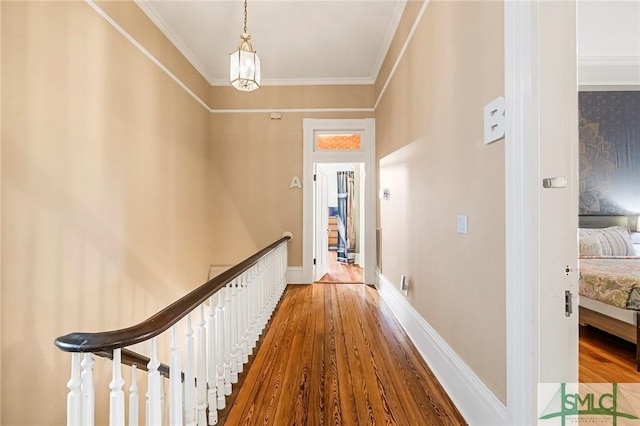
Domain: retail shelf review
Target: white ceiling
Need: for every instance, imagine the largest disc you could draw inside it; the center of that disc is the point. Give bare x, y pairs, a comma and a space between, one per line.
298, 41
608, 29
609, 44
345, 41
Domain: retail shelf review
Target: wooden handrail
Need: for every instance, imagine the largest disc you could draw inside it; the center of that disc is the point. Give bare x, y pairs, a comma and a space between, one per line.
106, 342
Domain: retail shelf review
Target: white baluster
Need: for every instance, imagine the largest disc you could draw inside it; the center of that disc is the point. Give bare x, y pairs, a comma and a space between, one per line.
246, 349
211, 363
251, 344
267, 294
88, 405
116, 405
275, 286
227, 340
220, 351
272, 287
249, 310
201, 371
222, 388
233, 329
240, 355
133, 398
74, 397
283, 269
256, 304
244, 324
175, 381
275, 283
154, 409
189, 377
260, 299
163, 400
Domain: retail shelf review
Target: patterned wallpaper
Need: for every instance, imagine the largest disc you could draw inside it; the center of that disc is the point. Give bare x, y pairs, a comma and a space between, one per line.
609, 152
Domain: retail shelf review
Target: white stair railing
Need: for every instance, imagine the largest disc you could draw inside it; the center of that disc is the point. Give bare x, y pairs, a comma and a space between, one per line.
230, 313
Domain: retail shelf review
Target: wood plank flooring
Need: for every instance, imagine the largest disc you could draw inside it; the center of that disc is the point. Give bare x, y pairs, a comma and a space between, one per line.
335, 355
341, 272
605, 358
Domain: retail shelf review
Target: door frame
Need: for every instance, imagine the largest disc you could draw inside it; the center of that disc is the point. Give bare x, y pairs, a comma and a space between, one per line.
527, 44
321, 223
366, 155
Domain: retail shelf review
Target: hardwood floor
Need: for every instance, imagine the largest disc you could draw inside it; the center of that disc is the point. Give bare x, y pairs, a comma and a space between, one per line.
605, 358
340, 272
334, 354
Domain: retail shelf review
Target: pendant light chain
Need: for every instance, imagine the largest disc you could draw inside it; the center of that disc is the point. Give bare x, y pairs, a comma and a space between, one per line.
245, 16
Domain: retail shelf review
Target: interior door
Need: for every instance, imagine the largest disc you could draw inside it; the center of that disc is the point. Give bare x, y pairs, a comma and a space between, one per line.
558, 199
321, 225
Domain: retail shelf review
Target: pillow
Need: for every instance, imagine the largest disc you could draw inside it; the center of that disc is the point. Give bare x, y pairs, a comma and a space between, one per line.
613, 241
590, 245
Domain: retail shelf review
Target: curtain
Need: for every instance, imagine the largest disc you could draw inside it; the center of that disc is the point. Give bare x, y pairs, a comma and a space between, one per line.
346, 224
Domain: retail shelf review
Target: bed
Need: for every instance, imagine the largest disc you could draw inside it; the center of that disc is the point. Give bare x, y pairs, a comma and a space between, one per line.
609, 284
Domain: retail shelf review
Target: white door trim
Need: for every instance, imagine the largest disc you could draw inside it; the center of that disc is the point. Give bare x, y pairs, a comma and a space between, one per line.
524, 36
321, 213
366, 155
519, 33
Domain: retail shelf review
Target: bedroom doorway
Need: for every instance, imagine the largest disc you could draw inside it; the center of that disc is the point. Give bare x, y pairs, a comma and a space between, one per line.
350, 142
608, 100
339, 194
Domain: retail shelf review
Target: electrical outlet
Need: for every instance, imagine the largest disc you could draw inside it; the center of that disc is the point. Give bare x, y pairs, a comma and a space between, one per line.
404, 284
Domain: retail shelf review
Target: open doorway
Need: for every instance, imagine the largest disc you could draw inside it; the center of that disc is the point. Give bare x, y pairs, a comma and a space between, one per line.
338, 222
344, 141
609, 203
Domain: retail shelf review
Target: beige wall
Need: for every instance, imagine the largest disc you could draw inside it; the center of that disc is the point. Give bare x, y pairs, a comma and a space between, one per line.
106, 194
295, 97
119, 189
255, 159
432, 157
134, 21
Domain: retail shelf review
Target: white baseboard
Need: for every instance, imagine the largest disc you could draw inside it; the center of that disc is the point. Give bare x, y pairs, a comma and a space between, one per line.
477, 404
294, 275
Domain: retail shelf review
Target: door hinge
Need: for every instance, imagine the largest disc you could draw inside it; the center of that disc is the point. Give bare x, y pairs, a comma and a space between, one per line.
314, 178
568, 304
314, 261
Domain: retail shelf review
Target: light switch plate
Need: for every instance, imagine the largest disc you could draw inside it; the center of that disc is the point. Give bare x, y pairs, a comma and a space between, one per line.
494, 120
462, 224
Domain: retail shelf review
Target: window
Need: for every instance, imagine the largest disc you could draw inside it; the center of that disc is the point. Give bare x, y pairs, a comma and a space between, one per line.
344, 142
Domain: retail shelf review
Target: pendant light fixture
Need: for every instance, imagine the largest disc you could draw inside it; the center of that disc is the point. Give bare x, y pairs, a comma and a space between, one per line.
244, 64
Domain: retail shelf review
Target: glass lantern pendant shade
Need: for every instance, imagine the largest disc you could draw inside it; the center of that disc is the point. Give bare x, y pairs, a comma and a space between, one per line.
244, 66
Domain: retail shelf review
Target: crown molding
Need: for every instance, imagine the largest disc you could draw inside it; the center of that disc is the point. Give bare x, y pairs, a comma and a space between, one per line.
613, 71
609, 60
391, 32
267, 110
306, 82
